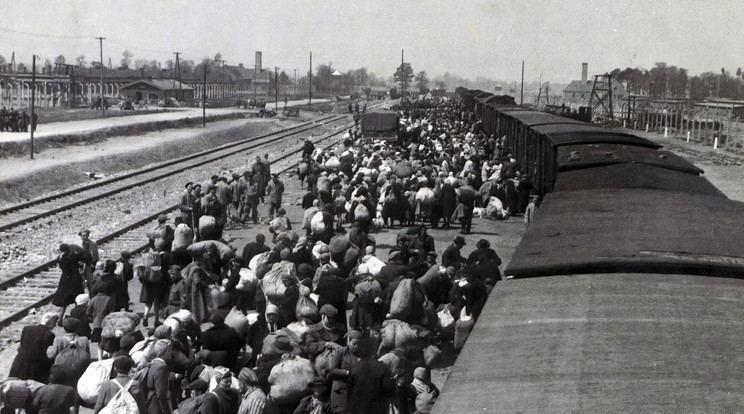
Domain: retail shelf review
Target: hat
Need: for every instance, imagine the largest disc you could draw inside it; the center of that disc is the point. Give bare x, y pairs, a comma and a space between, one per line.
127, 342
123, 364
325, 256
483, 243
248, 376
328, 309
271, 308
162, 218
84, 231
199, 385
460, 240
188, 184
354, 334
281, 211
304, 269
282, 343
125, 254
235, 175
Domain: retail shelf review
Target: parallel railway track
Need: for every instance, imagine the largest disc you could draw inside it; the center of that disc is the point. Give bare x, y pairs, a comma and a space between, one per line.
29, 288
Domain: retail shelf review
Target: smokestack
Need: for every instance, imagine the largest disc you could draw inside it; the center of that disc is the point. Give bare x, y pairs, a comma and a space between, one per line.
258, 62
584, 72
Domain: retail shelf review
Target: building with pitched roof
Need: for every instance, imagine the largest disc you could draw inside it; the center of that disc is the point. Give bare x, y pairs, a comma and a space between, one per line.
154, 90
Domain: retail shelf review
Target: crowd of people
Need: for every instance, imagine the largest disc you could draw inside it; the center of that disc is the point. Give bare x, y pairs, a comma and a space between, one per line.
14, 121
317, 320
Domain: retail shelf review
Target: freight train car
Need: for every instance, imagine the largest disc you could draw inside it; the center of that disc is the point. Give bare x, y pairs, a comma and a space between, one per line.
626, 292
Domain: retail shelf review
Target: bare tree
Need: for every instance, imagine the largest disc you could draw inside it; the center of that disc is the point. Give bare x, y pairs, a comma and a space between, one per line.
126, 59
80, 61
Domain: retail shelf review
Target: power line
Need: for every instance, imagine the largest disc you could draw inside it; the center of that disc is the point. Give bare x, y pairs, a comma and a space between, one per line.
5, 29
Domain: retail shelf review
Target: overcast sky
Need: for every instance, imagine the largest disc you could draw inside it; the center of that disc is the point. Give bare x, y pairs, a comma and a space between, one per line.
469, 38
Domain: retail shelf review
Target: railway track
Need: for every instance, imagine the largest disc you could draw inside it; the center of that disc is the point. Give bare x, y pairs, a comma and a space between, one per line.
34, 286
16, 216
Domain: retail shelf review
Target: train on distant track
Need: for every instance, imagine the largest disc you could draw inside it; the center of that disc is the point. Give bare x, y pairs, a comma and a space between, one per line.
626, 293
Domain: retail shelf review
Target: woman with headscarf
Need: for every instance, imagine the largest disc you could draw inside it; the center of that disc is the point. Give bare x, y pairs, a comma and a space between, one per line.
226, 400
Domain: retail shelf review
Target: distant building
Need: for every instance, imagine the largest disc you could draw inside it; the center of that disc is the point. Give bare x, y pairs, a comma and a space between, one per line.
154, 90
578, 92
720, 109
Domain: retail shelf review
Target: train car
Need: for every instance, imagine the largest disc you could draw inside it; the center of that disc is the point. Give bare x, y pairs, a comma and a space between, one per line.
381, 124
625, 294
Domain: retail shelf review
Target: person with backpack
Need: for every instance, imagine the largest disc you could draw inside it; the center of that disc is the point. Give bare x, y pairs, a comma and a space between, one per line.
155, 376
70, 352
121, 394
56, 397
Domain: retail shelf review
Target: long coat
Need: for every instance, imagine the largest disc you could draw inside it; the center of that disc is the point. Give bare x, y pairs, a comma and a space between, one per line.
71, 281
158, 398
371, 384
31, 361
448, 200
197, 280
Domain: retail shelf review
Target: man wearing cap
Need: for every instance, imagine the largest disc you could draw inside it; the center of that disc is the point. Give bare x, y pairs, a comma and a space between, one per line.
254, 400
237, 186
275, 190
250, 199
260, 175
187, 205
325, 334
91, 247
31, 362
121, 281
349, 358
485, 260
156, 380
318, 402
451, 256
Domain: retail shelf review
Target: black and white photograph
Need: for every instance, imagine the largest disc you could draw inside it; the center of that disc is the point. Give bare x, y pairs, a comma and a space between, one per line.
371, 207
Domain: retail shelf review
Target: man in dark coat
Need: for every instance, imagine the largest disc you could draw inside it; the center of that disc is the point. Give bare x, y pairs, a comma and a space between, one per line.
448, 202
485, 261
451, 256
254, 248
323, 334
31, 361
156, 381
370, 381
333, 290
221, 337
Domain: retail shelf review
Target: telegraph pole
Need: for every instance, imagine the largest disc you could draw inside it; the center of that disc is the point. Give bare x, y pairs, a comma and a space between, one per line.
310, 88
276, 90
204, 99
103, 105
521, 88
33, 101
177, 74
295, 85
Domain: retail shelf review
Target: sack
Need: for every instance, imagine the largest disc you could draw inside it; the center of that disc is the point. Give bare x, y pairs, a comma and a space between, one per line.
317, 225
17, 393
140, 374
248, 280
122, 402
361, 213
396, 334
236, 320
367, 290
463, 327
425, 195
182, 238
278, 225
339, 243
401, 304
258, 261
193, 405
90, 383
306, 307
431, 278
431, 354
459, 212
149, 268
339, 205
272, 284
328, 360
124, 321
207, 225
224, 251
308, 217
289, 379
333, 163
374, 265
269, 347
73, 360
445, 322
351, 257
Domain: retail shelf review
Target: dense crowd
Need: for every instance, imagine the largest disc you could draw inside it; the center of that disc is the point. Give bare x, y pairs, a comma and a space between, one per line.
314, 321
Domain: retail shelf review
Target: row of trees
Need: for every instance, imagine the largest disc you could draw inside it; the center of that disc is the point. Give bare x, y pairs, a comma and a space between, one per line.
670, 81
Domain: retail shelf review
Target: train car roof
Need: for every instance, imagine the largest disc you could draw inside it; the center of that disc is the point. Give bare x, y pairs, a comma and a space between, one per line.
533, 118
501, 100
582, 156
630, 230
583, 133
634, 175
603, 343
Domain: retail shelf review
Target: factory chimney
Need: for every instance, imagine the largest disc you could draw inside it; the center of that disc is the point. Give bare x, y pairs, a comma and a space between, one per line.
584, 72
258, 62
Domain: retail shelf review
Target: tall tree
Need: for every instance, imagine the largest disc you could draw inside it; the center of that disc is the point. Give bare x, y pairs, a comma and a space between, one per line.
59, 60
422, 82
126, 59
403, 76
80, 60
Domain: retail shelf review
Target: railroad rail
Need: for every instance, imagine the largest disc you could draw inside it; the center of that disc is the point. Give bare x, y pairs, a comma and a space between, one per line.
20, 214
36, 286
